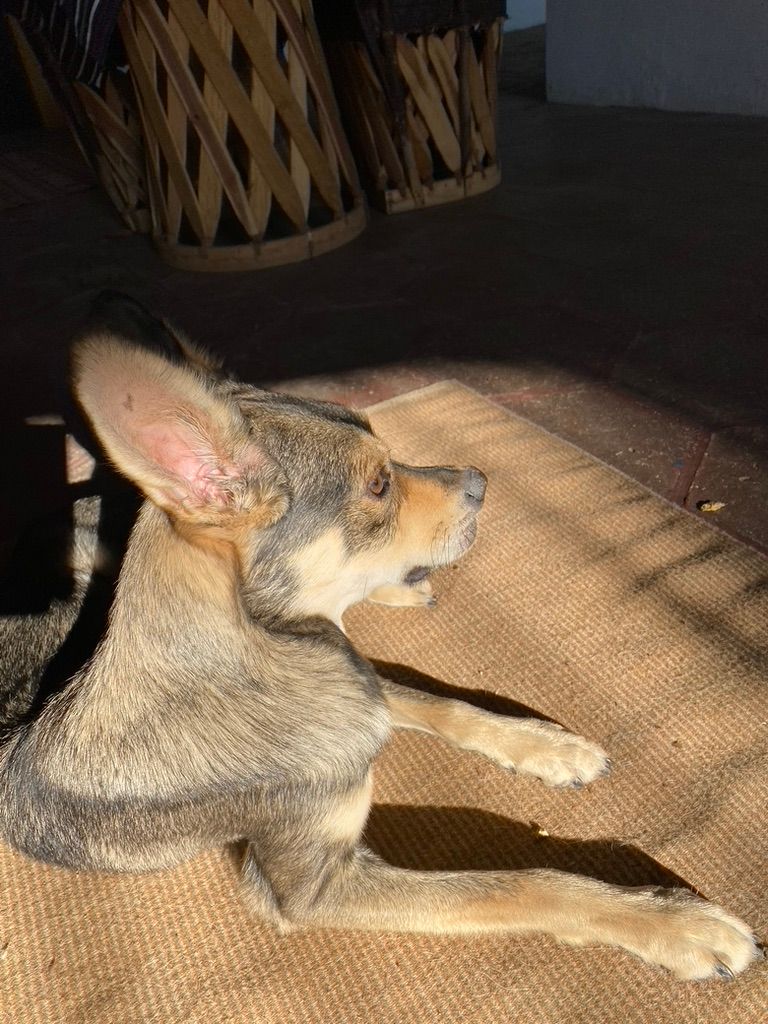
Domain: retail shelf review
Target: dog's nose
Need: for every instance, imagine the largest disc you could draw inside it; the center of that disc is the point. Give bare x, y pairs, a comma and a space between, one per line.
474, 483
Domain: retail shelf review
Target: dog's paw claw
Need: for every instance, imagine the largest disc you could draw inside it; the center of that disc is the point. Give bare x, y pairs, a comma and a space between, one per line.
696, 940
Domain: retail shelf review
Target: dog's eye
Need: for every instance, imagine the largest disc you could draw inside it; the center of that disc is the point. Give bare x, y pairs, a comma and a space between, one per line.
379, 486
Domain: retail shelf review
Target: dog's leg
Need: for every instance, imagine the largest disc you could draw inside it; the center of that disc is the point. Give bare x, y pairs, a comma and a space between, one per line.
676, 930
525, 745
349, 887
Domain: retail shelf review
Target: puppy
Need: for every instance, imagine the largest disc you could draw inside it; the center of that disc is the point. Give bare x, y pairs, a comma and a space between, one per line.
224, 701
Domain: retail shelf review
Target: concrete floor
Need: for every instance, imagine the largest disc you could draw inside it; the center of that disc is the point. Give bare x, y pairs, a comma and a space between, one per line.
612, 289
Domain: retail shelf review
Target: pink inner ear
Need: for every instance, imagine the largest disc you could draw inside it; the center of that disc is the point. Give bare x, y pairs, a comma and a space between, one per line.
190, 461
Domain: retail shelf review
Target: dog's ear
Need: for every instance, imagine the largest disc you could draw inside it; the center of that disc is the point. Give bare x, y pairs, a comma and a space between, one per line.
166, 428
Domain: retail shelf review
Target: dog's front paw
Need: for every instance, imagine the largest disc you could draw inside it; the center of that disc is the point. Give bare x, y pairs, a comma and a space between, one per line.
557, 757
403, 595
693, 939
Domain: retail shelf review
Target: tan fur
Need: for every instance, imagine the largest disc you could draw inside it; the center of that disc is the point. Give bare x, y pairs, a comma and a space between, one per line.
524, 745
428, 522
398, 595
347, 816
224, 701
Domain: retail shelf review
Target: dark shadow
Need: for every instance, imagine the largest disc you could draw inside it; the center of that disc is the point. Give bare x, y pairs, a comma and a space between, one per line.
119, 506
485, 699
37, 574
465, 838
17, 110
36, 510
37, 515
469, 839
36, 520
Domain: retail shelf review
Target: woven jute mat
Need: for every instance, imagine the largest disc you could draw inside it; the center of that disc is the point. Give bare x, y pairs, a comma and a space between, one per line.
586, 599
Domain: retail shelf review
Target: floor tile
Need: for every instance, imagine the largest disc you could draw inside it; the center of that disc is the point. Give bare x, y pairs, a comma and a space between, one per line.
650, 443
734, 471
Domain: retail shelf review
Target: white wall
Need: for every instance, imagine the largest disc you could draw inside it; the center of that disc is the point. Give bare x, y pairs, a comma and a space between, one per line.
524, 13
673, 54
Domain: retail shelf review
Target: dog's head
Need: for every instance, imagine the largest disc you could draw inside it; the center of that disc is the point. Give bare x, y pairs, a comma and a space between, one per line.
305, 496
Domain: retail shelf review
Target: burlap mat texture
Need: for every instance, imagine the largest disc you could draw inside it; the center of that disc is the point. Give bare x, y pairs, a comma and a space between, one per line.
586, 599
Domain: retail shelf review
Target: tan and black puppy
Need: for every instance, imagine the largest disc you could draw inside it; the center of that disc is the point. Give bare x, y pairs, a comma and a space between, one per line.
224, 701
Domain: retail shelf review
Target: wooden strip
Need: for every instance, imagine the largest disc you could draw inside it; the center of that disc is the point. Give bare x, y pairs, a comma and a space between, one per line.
126, 128
186, 88
491, 66
451, 46
107, 123
106, 158
327, 134
375, 106
209, 187
155, 196
147, 51
177, 121
228, 86
363, 60
259, 192
359, 121
156, 186
112, 98
306, 40
269, 254
328, 143
420, 142
429, 103
478, 149
123, 180
121, 158
480, 102
465, 101
386, 124
446, 190
261, 51
155, 116
411, 167
106, 174
445, 73
123, 176
298, 82
158, 211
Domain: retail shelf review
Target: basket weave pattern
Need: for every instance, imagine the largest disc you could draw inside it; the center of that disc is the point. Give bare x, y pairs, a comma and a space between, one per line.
421, 112
247, 163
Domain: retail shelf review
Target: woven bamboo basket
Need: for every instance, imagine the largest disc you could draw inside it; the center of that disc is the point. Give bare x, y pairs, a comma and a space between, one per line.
247, 164
103, 123
417, 84
113, 146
